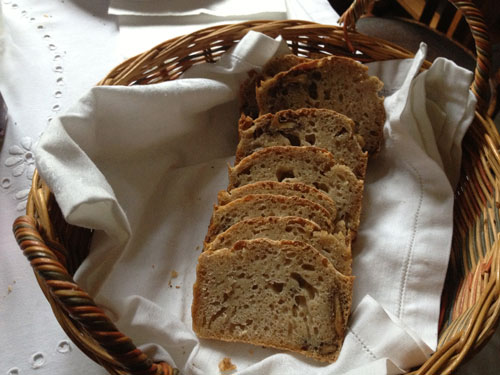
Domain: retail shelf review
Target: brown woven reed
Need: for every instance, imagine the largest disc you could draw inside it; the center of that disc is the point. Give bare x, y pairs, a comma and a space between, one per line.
470, 303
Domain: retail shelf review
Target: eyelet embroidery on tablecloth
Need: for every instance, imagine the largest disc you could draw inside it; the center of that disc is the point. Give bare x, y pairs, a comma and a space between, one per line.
21, 159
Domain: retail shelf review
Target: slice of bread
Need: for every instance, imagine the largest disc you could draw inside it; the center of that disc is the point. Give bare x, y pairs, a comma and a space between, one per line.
322, 128
309, 165
296, 189
335, 247
281, 294
338, 83
248, 101
260, 205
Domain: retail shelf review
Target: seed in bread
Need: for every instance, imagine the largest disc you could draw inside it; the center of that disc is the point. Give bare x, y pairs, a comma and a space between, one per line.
322, 128
281, 294
338, 83
277, 64
290, 189
309, 165
335, 247
261, 205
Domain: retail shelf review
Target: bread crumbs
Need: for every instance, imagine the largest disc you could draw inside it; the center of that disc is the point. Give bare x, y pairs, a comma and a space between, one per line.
174, 274
226, 365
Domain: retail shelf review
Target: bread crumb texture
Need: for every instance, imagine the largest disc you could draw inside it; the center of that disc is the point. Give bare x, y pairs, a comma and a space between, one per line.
226, 365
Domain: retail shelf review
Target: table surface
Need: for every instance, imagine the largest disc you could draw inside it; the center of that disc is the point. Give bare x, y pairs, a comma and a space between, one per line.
51, 53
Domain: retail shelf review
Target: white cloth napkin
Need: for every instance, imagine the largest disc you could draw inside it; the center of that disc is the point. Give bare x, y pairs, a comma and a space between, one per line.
219, 8
143, 165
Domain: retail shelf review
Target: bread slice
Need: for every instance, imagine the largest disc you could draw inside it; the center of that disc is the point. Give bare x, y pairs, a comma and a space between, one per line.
338, 83
260, 205
248, 101
322, 128
290, 189
309, 165
335, 247
281, 294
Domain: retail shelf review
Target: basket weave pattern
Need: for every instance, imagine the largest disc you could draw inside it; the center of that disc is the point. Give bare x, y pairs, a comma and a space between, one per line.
470, 302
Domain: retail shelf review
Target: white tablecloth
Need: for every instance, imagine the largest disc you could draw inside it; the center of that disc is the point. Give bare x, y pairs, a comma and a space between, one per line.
53, 52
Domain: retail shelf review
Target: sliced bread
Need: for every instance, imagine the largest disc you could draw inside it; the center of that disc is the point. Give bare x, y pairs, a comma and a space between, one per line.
335, 247
338, 83
296, 189
322, 128
309, 165
248, 101
261, 205
281, 294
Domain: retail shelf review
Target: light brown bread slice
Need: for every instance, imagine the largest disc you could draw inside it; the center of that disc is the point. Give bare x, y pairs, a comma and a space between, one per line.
309, 165
322, 128
338, 83
260, 205
296, 189
248, 101
335, 247
281, 294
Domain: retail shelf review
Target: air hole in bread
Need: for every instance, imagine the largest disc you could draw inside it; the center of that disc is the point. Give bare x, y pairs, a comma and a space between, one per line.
312, 90
257, 133
321, 186
308, 267
311, 139
246, 171
283, 173
277, 287
292, 138
300, 301
303, 284
341, 132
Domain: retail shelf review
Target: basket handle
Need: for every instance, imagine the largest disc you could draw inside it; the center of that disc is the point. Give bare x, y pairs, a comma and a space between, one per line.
55, 279
480, 86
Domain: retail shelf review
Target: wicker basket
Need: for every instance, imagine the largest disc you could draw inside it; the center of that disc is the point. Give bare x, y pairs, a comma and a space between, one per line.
470, 304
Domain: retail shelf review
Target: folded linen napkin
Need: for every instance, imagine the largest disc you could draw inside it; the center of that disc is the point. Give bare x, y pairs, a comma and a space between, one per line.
142, 165
220, 8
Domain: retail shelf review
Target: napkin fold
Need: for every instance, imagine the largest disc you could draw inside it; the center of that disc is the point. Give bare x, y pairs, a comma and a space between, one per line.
142, 166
